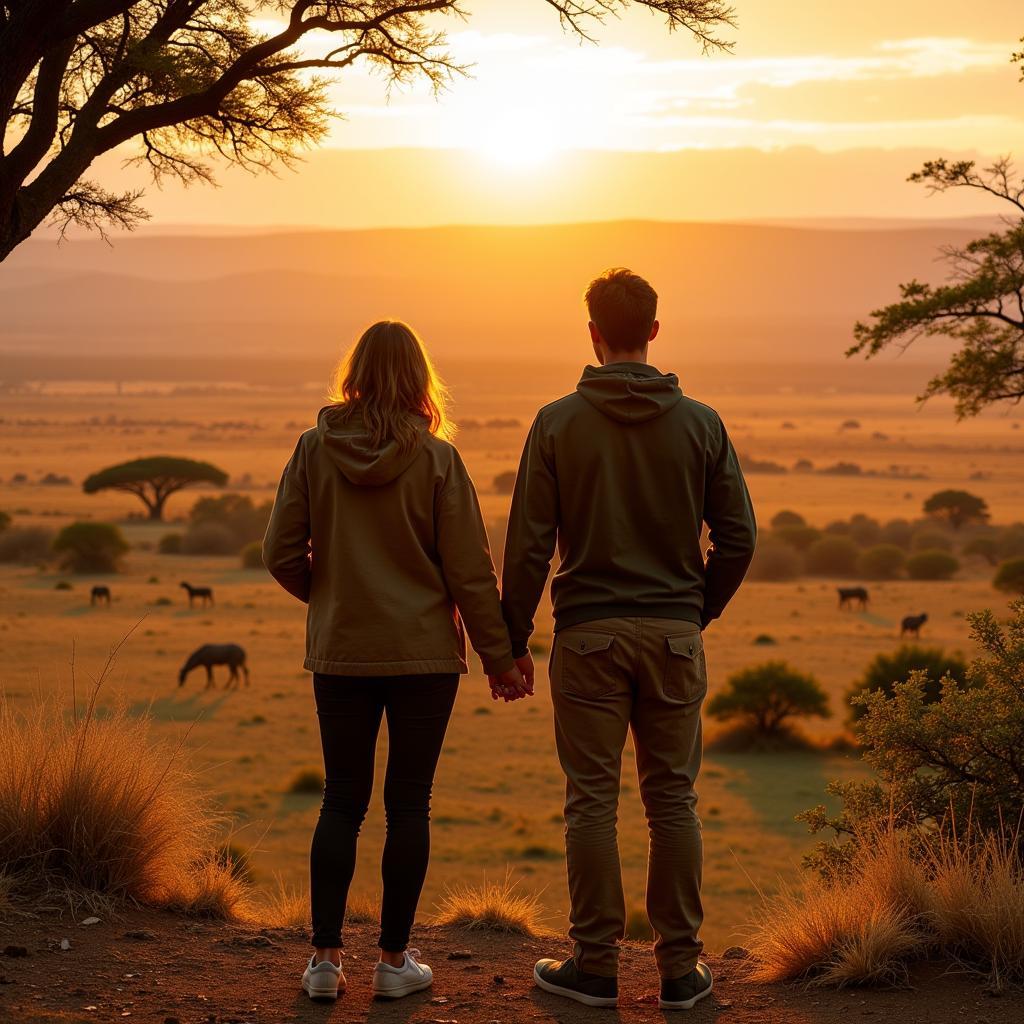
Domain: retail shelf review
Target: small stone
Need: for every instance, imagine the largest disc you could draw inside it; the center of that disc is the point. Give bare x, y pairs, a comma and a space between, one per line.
460, 954
736, 953
438, 1001
15, 951
472, 968
499, 979
65, 944
723, 1004
91, 920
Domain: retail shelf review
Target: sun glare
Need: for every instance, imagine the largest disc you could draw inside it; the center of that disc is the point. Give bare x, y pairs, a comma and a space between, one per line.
516, 138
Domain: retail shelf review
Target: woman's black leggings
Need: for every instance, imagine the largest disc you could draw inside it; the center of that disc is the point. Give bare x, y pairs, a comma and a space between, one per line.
350, 709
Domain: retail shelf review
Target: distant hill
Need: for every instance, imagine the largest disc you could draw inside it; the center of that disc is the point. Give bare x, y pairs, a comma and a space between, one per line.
728, 291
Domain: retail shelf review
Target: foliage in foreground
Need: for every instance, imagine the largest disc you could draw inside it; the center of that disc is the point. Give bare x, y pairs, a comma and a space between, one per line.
493, 906
957, 758
886, 670
95, 810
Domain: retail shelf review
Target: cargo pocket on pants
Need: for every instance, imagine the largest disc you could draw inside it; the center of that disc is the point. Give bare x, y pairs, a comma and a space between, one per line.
584, 663
686, 676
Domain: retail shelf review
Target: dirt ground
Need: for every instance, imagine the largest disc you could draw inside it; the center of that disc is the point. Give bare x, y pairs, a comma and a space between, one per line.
156, 967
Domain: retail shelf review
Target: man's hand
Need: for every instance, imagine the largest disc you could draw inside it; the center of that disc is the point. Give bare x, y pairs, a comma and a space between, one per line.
510, 685
525, 666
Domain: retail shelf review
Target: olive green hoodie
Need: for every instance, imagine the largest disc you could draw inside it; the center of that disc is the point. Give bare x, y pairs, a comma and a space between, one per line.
389, 550
621, 475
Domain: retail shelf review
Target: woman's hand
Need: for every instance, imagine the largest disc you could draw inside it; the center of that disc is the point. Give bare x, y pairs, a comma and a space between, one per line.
510, 685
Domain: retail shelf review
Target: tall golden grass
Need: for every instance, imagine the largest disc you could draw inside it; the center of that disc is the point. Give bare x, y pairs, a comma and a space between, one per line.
492, 906
907, 896
92, 808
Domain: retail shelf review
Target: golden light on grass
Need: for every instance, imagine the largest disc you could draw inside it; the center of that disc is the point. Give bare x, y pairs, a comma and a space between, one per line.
491, 906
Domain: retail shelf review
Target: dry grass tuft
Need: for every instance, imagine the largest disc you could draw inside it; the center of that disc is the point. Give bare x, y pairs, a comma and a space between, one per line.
288, 907
907, 896
493, 906
94, 812
213, 890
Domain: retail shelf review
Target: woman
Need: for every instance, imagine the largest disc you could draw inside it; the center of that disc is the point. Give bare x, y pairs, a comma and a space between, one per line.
377, 527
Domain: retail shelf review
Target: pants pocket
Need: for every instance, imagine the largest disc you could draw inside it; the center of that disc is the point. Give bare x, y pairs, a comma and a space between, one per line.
685, 677
583, 663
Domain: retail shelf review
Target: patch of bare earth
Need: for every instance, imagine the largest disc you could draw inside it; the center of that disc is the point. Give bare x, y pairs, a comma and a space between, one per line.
149, 966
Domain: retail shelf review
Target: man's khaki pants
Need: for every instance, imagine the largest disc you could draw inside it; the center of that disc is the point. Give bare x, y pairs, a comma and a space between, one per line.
609, 676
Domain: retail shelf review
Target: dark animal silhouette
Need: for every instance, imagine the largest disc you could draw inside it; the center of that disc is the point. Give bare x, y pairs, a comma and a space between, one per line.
912, 624
848, 596
205, 594
99, 594
216, 654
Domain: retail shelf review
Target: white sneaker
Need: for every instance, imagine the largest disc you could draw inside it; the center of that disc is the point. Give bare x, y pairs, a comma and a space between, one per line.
394, 982
322, 980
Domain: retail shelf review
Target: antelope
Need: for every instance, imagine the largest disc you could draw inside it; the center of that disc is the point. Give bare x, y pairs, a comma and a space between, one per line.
849, 595
205, 594
216, 654
99, 594
912, 624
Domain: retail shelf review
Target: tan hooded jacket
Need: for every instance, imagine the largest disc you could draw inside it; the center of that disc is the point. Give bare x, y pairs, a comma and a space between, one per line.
388, 548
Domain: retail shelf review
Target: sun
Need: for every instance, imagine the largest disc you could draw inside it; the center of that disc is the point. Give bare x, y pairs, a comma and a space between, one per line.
516, 138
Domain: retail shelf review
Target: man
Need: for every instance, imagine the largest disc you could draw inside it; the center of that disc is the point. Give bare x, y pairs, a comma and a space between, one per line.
621, 475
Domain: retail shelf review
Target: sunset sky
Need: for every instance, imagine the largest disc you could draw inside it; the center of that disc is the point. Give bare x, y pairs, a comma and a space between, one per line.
816, 85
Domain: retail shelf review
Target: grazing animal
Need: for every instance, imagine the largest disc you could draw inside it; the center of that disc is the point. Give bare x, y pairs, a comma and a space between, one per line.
912, 624
216, 654
99, 594
205, 594
850, 595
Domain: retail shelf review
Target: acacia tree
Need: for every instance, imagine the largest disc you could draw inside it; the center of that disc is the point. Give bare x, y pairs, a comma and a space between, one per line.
957, 508
154, 480
189, 79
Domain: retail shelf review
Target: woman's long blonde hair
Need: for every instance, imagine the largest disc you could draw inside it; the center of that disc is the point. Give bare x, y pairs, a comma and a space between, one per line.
388, 380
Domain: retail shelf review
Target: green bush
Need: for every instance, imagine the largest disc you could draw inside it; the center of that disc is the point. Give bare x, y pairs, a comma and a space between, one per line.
170, 544
931, 540
26, 545
885, 671
768, 697
833, 556
774, 562
90, 547
252, 555
787, 518
932, 565
986, 547
864, 530
209, 538
245, 521
1011, 542
882, 562
799, 537
898, 532
1010, 576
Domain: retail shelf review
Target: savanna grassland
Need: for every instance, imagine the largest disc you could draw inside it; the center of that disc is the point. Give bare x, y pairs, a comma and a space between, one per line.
498, 796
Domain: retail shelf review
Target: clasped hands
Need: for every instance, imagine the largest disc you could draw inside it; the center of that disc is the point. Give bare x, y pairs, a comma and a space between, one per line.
515, 683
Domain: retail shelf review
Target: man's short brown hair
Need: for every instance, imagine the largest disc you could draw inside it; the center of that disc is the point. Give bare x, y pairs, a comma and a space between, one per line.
624, 307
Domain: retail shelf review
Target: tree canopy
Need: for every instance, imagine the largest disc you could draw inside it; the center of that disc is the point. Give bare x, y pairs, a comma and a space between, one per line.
768, 696
957, 508
153, 480
187, 80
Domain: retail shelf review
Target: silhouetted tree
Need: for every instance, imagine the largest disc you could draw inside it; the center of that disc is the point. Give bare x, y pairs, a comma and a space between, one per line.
768, 697
187, 79
155, 479
957, 508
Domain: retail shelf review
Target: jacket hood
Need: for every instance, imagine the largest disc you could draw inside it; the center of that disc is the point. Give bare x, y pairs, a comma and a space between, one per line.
630, 392
350, 449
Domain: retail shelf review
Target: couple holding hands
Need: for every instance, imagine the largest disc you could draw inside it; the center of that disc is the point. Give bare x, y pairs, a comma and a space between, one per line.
377, 527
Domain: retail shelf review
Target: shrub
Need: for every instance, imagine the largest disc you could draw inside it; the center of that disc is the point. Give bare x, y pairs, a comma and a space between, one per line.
90, 547
787, 518
209, 538
799, 537
236, 513
1011, 542
252, 555
885, 671
62, 585
774, 562
932, 565
494, 907
767, 697
170, 544
864, 530
986, 547
898, 532
95, 809
931, 540
26, 545
833, 556
308, 780
505, 483
1010, 577
882, 562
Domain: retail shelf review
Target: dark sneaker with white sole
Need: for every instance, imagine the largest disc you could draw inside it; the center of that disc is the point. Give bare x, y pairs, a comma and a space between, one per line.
684, 993
564, 978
